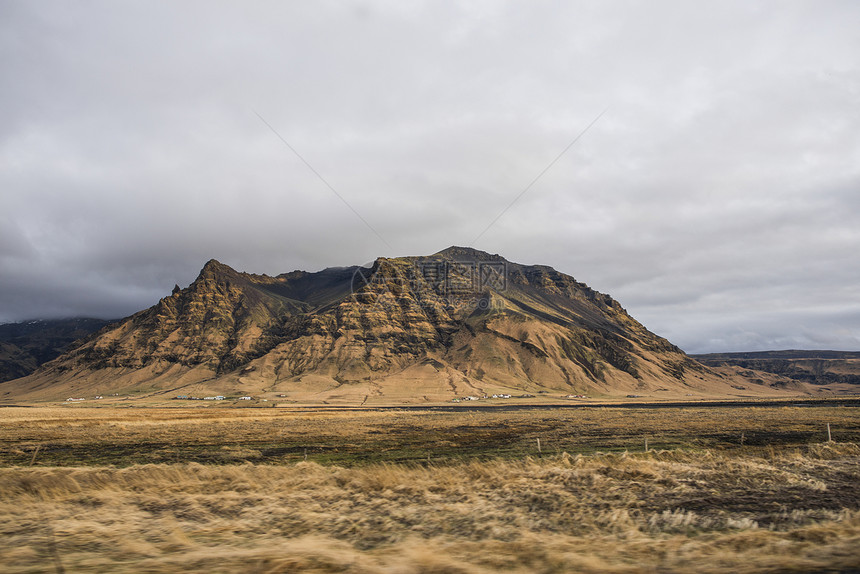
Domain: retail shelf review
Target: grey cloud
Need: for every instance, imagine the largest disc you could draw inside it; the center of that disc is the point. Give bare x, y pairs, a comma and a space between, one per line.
716, 199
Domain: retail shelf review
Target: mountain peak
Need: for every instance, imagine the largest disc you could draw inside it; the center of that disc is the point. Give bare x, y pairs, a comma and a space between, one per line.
462, 253
214, 268
214, 264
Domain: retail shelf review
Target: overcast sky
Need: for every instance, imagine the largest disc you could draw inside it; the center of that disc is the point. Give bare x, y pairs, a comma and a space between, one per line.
717, 198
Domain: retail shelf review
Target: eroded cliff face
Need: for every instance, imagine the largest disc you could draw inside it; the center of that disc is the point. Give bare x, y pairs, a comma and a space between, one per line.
460, 321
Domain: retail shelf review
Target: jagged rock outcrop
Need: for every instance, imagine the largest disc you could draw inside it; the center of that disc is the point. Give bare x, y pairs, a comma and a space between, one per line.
458, 322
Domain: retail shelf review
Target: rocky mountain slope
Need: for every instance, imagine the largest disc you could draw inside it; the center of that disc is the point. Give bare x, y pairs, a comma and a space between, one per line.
27, 345
457, 323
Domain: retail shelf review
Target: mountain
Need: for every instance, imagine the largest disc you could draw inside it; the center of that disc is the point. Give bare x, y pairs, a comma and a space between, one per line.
26, 345
460, 322
834, 368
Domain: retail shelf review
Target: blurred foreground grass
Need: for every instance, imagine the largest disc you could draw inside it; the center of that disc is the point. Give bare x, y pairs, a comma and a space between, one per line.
662, 511
458, 493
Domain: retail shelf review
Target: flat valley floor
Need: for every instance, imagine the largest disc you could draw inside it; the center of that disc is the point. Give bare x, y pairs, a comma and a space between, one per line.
755, 488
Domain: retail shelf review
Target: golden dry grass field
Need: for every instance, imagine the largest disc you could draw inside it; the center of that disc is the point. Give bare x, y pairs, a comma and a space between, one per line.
279, 490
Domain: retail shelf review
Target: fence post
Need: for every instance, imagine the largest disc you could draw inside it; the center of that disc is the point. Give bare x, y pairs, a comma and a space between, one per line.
35, 452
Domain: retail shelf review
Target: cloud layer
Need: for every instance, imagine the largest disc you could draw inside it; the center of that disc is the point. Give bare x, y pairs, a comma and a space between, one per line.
717, 198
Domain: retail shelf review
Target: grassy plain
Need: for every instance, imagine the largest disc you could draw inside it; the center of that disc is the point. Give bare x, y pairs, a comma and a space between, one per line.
278, 490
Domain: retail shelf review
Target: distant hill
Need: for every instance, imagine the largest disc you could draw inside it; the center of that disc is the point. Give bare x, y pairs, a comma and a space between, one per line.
457, 323
27, 345
814, 367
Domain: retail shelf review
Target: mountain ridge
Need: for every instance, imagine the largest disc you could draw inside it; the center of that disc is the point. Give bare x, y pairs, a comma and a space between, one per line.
26, 345
816, 367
